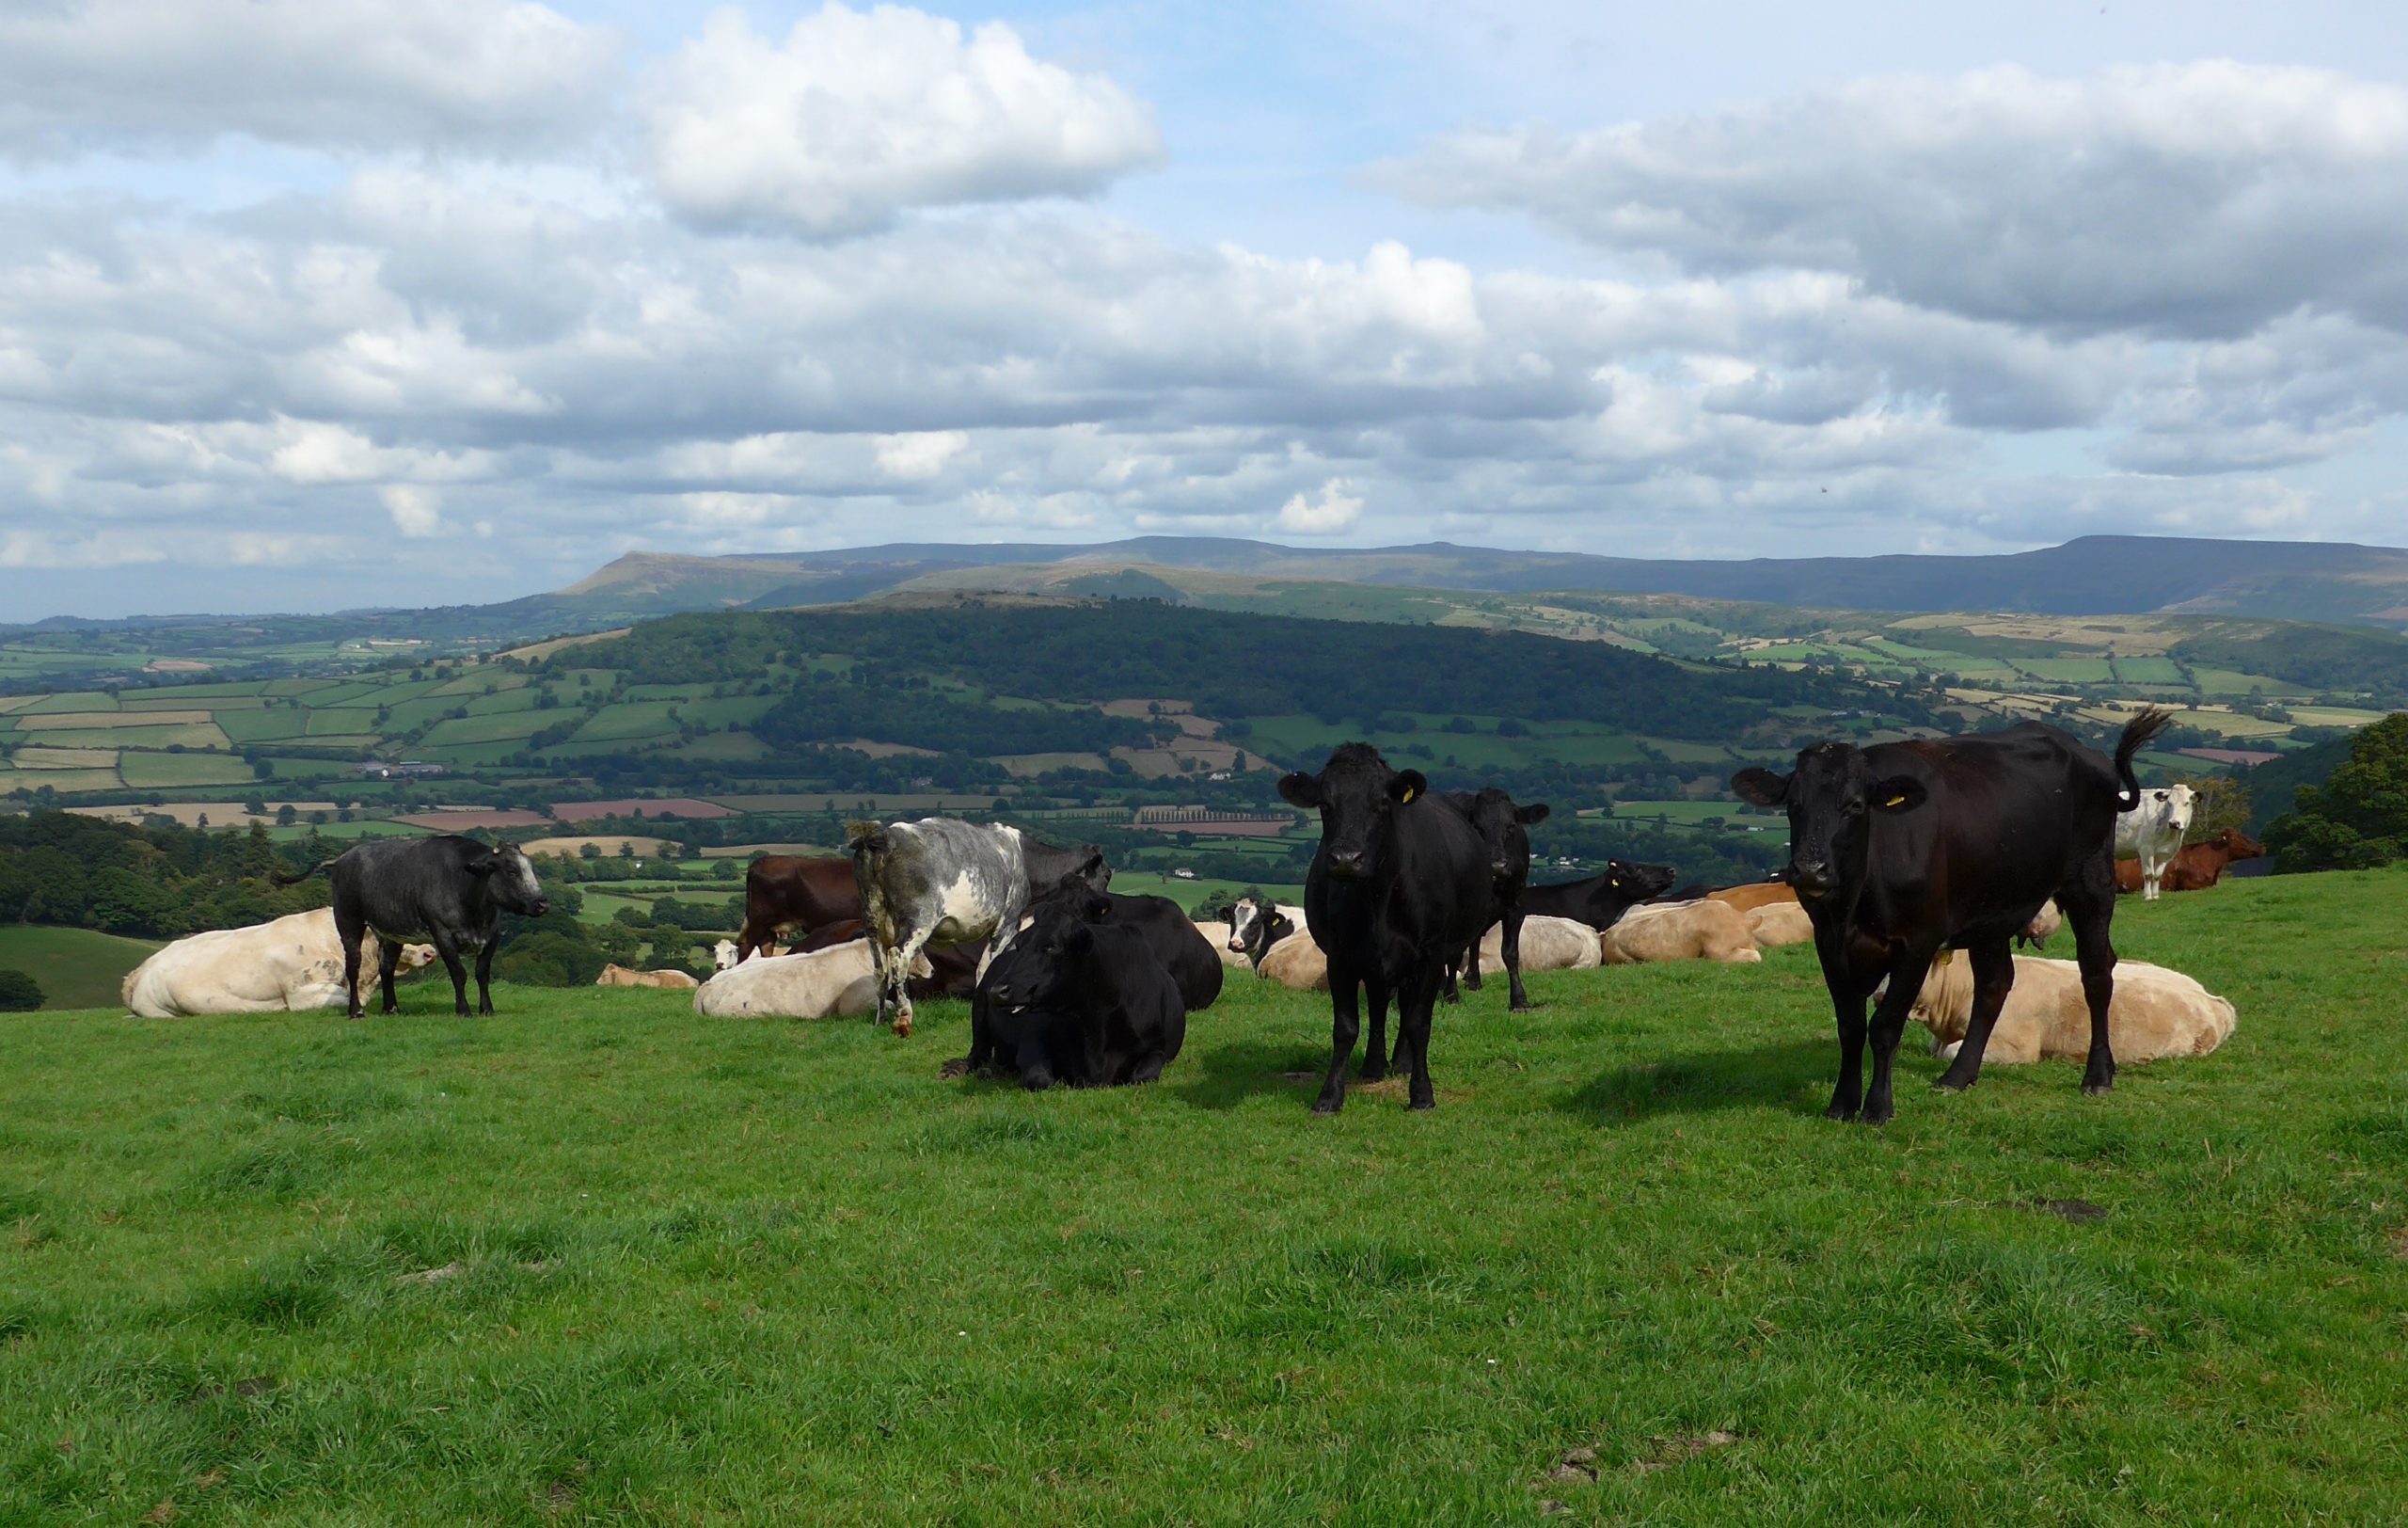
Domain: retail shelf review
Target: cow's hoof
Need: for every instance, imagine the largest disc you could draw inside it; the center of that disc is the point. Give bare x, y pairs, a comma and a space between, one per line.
1421, 1103
1838, 1114
1949, 1082
958, 1067
2098, 1090
1328, 1105
902, 1026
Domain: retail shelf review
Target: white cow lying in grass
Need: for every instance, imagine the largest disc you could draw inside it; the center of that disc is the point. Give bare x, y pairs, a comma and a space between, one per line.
2155, 1012
1548, 944
1698, 930
291, 964
838, 983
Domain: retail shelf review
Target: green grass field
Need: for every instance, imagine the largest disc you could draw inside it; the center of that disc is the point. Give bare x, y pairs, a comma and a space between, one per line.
597, 1259
77, 968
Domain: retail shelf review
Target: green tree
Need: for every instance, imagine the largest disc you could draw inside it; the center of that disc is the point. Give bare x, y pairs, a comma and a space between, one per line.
19, 993
2359, 818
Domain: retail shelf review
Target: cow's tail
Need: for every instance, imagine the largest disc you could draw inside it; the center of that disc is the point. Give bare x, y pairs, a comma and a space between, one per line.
2138, 734
291, 878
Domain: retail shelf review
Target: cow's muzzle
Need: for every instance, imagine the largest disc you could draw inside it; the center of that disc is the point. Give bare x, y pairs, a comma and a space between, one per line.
1347, 866
1812, 882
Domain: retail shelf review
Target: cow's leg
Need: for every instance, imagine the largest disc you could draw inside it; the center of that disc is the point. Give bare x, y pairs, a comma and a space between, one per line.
982, 1041
1847, 1007
448, 947
1345, 1025
1993, 978
389, 960
485, 972
1417, 996
1378, 1062
894, 982
351, 930
1471, 961
1889, 1024
1035, 1065
2092, 914
1518, 996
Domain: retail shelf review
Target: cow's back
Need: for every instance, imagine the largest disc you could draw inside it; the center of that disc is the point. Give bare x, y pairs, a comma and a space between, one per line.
1548, 944
2008, 814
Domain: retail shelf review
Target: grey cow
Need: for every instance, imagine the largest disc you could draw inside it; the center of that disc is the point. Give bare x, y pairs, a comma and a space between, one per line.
449, 890
943, 881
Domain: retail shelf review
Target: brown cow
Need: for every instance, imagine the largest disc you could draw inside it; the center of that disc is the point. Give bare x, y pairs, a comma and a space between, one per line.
784, 889
2196, 867
1756, 894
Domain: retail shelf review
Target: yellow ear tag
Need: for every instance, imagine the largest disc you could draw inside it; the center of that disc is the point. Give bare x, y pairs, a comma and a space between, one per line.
1406, 800
1899, 800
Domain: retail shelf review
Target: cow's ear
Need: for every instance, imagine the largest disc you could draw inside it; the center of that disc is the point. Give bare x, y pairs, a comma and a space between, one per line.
484, 863
1405, 787
1760, 786
1898, 793
1536, 812
1094, 909
1297, 788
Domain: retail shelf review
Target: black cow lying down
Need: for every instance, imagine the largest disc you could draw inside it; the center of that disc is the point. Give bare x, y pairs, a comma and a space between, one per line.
1599, 901
1078, 999
1904, 848
449, 890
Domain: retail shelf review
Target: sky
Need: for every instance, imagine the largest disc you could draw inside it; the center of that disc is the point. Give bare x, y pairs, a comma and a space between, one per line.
322, 304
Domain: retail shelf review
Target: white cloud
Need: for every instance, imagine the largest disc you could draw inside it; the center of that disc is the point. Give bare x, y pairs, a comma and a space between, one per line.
416, 513
1331, 511
858, 116
2198, 200
921, 455
77, 75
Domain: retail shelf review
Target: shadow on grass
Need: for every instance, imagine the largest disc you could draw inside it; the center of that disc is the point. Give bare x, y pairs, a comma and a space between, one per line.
1227, 1076
1778, 1074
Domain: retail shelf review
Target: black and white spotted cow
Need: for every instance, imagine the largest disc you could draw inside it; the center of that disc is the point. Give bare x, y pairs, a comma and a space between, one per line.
943, 881
1257, 923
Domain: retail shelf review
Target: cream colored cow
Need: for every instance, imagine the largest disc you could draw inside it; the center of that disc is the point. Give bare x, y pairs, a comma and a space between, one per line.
1775, 924
838, 983
291, 964
1296, 962
1699, 930
620, 975
2155, 1012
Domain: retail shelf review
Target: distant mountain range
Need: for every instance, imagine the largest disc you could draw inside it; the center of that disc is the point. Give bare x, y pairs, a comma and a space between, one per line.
2102, 575
2328, 582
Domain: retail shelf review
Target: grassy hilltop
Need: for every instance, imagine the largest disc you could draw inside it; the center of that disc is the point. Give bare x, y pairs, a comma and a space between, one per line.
597, 1259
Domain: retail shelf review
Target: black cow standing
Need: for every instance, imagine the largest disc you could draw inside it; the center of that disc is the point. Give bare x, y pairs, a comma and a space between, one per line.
1400, 884
1598, 901
1079, 997
1021, 966
449, 890
1904, 848
1502, 825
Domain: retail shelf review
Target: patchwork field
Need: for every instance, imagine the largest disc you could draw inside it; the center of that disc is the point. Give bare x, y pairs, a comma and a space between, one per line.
595, 1259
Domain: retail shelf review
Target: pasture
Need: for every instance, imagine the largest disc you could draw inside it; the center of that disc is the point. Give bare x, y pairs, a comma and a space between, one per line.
76, 967
597, 1259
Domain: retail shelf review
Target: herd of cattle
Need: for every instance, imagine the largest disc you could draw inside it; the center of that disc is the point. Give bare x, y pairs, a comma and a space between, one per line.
1903, 856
